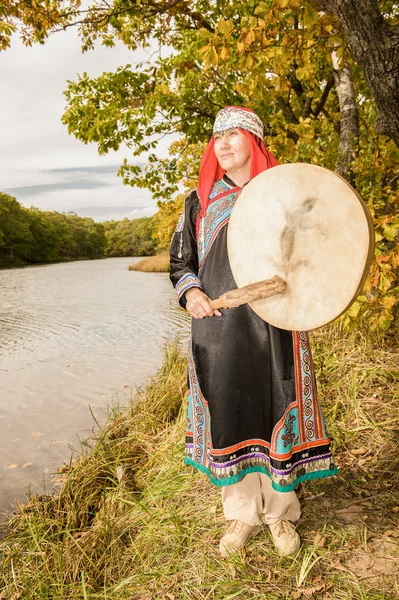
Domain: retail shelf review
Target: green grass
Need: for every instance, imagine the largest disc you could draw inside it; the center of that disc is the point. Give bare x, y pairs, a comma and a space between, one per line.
152, 264
131, 522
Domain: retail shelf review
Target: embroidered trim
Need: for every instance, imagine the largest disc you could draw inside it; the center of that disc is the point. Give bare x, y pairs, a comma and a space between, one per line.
311, 424
199, 417
189, 280
284, 474
276, 486
217, 216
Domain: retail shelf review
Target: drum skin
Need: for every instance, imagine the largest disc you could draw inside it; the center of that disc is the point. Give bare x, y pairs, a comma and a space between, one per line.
308, 225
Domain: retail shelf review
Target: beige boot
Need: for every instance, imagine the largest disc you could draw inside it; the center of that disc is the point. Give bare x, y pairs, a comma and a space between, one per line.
236, 536
285, 538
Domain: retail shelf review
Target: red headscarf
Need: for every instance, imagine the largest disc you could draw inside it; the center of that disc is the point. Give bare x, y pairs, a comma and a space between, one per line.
210, 170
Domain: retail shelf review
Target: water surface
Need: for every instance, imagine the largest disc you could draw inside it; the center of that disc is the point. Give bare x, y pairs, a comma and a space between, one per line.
72, 336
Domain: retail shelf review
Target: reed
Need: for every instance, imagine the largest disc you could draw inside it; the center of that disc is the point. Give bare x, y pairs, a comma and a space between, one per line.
131, 522
152, 264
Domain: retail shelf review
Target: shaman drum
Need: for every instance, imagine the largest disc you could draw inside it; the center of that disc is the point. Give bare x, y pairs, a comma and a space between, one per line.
309, 226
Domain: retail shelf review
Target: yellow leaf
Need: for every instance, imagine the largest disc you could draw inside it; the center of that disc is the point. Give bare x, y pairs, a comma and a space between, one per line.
282, 3
249, 61
225, 53
250, 37
281, 85
388, 301
354, 310
200, 51
242, 62
204, 33
304, 72
310, 16
240, 47
207, 59
261, 9
228, 27
214, 57
384, 283
390, 233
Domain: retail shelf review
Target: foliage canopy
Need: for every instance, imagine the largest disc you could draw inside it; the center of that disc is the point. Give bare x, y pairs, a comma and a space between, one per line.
30, 235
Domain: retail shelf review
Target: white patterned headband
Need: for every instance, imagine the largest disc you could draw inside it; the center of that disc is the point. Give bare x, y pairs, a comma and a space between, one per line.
233, 116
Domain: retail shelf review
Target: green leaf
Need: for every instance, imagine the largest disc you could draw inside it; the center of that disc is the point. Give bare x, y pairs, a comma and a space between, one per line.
354, 310
261, 9
204, 33
390, 233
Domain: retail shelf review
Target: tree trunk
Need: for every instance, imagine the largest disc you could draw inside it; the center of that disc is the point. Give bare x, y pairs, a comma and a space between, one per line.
375, 47
349, 128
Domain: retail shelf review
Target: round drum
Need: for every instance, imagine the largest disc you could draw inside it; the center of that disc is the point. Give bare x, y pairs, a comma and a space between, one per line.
309, 226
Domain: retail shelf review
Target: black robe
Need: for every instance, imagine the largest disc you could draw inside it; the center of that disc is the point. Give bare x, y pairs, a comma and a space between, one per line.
252, 403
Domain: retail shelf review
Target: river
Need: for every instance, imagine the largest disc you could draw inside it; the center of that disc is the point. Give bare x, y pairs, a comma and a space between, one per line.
74, 337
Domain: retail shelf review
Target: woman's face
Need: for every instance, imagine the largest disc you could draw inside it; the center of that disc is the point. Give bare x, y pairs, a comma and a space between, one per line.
232, 149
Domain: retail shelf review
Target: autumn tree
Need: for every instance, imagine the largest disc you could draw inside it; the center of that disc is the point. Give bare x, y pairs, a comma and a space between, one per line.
130, 237
30, 235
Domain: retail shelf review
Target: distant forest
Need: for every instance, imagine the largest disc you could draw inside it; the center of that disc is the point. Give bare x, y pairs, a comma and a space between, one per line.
30, 235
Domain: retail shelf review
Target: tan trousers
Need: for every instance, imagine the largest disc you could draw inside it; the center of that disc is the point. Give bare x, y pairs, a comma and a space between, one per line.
254, 496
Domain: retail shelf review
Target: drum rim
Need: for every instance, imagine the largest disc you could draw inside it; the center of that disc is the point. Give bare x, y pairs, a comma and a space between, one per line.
371, 249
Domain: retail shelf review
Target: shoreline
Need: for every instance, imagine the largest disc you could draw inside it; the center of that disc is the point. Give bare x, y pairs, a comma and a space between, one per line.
66, 260
159, 263
132, 521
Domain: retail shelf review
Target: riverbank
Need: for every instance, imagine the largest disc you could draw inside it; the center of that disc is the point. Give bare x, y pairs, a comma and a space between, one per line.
20, 264
152, 264
132, 522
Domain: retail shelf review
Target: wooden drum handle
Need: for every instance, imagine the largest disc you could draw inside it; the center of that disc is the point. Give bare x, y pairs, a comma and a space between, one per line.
250, 293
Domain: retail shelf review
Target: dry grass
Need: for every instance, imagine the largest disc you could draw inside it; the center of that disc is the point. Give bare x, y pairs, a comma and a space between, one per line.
131, 522
152, 264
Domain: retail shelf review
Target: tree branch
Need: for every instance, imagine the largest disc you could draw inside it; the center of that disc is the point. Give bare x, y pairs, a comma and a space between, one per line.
349, 129
320, 105
288, 113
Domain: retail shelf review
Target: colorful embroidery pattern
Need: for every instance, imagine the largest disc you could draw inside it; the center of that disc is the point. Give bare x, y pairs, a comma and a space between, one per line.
311, 423
293, 454
232, 116
217, 216
198, 417
189, 280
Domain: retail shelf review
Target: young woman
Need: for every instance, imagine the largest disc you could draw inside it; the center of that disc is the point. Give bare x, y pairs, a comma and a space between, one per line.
254, 425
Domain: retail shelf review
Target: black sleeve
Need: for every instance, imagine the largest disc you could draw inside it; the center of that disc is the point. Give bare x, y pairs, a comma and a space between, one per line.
183, 251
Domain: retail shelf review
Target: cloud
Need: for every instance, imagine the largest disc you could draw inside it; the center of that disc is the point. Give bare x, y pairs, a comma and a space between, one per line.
116, 213
96, 169
29, 190
40, 163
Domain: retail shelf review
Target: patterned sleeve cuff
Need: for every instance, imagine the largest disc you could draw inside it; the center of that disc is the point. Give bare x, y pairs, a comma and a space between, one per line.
187, 282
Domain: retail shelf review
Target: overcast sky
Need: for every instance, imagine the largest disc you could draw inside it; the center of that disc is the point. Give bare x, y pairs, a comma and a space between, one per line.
40, 164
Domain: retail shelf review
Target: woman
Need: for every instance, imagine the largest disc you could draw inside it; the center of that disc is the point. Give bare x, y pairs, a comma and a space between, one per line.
254, 425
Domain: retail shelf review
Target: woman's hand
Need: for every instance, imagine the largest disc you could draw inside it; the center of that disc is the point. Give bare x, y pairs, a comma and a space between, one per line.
198, 304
